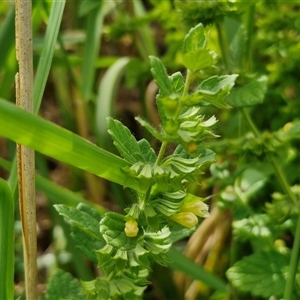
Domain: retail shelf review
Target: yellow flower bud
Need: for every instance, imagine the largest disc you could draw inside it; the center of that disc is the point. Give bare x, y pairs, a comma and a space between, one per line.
191, 147
131, 228
198, 208
186, 219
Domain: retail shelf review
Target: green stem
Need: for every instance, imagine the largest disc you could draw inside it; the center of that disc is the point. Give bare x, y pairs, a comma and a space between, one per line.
161, 153
282, 179
187, 83
223, 45
185, 92
288, 292
250, 122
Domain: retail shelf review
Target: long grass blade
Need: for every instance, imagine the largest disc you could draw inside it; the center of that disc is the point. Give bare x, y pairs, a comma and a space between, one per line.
61, 144
6, 242
45, 61
92, 46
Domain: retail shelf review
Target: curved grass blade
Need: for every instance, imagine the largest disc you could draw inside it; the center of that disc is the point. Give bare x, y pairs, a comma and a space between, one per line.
61, 144
107, 93
6, 242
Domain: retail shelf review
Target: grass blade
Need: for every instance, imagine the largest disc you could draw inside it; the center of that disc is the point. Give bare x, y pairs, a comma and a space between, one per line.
185, 265
7, 36
6, 242
92, 45
61, 144
47, 52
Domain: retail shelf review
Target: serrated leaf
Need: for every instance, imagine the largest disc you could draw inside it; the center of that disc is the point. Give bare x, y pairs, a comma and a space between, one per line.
86, 243
160, 76
84, 221
194, 40
124, 141
261, 274
215, 88
63, 286
250, 94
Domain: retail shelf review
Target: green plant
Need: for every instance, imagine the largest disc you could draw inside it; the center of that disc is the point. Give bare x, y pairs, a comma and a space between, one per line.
127, 244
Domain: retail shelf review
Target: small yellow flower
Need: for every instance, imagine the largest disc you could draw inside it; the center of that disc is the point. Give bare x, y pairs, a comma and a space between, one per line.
186, 219
198, 208
131, 228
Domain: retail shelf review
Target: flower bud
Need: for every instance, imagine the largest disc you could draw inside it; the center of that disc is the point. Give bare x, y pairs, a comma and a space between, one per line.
191, 147
186, 219
131, 228
198, 208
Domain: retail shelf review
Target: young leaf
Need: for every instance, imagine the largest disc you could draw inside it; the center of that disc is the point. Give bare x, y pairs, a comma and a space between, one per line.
177, 82
204, 155
149, 155
261, 274
250, 94
198, 59
63, 286
160, 76
194, 40
195, 56
123, 140
215, 88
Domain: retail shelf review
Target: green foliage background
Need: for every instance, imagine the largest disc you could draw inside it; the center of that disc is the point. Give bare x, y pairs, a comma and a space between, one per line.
101, 68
